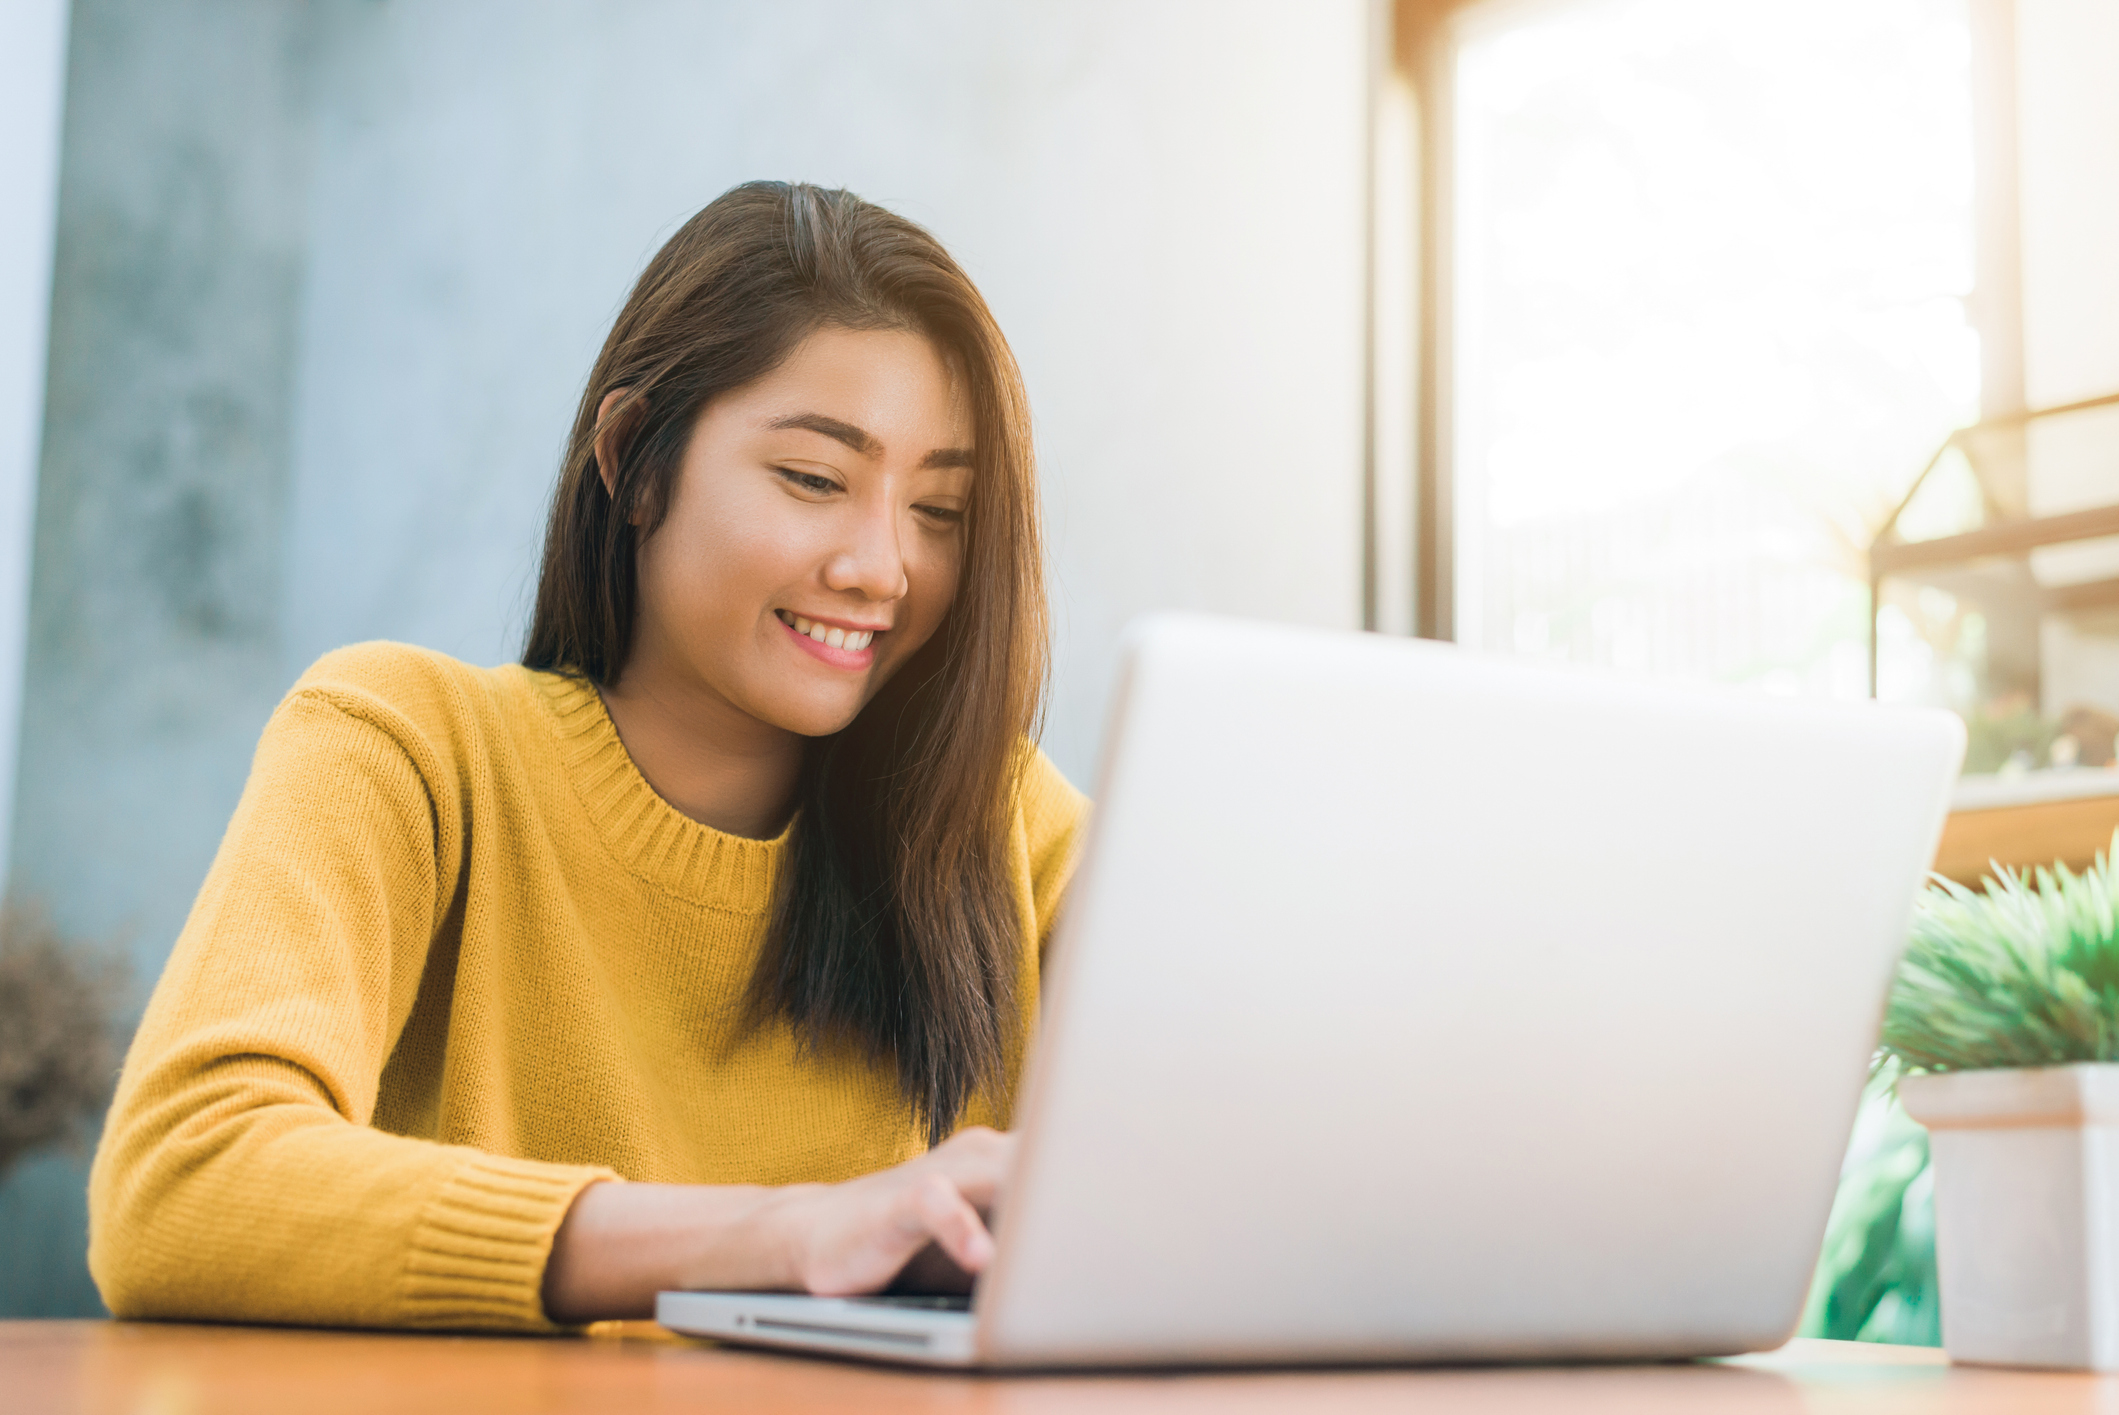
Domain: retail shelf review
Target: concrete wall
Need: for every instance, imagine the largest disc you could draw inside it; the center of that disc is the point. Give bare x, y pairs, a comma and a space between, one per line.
330, 277
152, 658
1162, 201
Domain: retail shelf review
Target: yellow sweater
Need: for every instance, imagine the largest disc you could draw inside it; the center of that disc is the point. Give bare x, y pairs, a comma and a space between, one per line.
454, 961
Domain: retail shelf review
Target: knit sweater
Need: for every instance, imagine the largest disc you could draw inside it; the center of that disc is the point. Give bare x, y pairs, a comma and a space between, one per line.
454, 961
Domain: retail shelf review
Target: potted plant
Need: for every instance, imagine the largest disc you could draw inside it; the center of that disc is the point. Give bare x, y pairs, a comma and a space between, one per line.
2003, 1029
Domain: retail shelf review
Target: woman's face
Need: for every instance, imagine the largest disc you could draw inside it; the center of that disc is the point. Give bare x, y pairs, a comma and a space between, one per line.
814, 532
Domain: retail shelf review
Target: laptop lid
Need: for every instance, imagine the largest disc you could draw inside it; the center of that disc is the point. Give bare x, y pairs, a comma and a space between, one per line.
1411, 1004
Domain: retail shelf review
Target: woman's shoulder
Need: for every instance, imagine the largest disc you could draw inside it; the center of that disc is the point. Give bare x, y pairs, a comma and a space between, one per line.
410, 692
1053, 817
1053, 811
404, 676
382, 667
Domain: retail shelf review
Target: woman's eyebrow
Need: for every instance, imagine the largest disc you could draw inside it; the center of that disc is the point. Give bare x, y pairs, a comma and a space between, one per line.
864, 442
859, 439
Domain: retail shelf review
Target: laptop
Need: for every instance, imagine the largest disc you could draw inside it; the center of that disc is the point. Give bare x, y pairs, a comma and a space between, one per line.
1411, 1005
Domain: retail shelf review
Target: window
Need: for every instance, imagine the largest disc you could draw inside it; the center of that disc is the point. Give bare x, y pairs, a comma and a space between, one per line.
1708, 281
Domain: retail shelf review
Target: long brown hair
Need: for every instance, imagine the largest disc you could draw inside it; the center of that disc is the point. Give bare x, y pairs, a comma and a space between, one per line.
895, 927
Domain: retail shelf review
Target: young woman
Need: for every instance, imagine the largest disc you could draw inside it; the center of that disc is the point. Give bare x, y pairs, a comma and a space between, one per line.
702, 948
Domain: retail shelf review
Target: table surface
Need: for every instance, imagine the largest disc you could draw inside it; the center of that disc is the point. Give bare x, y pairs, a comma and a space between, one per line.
138, 1368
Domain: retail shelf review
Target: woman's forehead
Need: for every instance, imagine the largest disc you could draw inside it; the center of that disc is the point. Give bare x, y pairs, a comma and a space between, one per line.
880, 393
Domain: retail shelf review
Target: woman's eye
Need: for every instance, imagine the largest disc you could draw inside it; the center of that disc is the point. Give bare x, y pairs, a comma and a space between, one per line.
941, 515
808, 481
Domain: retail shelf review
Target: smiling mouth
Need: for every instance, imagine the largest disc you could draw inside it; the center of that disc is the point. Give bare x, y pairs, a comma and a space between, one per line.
831, 636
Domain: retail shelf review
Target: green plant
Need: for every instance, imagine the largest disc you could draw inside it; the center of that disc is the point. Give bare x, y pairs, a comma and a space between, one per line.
2024, 974
1875, 1278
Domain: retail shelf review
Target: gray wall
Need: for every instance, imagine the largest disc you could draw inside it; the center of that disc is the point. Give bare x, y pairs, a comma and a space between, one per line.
1163, 202
153, 646
330, 276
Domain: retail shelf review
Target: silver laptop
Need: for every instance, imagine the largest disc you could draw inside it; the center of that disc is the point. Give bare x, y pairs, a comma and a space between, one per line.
1412, 1005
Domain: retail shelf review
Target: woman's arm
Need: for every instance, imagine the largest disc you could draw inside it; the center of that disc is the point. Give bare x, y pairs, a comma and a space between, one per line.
239, 1176
919, 1224
620, 1244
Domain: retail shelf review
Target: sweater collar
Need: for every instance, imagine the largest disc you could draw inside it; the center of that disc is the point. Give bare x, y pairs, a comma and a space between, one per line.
652, 838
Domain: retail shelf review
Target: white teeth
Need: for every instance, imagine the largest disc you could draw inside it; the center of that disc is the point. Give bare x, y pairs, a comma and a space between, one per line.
852, 640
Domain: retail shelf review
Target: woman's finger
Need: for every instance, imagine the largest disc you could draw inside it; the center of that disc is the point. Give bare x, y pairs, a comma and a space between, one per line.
953, 1223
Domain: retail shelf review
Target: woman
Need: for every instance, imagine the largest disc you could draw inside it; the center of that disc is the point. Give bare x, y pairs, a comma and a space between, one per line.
701, 949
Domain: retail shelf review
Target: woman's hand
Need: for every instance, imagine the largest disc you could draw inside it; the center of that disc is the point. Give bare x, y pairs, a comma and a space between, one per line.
861, 1235
924, 1220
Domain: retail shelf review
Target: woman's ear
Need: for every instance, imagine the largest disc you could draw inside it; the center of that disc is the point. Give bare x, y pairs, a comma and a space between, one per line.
612, 434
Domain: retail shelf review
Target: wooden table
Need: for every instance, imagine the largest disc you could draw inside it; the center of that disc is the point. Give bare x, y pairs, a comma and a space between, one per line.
128, 1368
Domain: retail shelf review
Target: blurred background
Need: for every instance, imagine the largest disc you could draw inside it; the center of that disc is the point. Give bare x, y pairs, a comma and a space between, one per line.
1752, 341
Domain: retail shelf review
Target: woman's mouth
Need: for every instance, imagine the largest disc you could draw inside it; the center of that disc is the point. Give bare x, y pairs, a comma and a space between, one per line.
834, 644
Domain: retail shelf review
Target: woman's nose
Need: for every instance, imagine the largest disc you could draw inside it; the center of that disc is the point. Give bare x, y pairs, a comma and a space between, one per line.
871, 563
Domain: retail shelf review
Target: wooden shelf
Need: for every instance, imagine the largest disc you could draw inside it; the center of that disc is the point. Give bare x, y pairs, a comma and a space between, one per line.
2072, 830
1991, 565
2007, 538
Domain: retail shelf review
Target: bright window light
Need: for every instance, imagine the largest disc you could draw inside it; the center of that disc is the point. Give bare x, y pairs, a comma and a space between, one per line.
1711, 269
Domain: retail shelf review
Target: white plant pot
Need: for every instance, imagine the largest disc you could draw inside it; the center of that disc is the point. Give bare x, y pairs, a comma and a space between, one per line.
2026, 1212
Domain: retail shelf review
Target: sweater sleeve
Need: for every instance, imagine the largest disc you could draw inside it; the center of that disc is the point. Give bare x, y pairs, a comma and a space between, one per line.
239, 1177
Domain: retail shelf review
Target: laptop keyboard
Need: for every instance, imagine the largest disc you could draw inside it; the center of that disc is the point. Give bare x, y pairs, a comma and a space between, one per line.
948, 1302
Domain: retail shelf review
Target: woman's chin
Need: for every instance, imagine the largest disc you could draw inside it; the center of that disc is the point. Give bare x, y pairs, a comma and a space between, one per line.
814, 717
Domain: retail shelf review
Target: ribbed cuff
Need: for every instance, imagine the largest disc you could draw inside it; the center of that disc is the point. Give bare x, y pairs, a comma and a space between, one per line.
478, 1254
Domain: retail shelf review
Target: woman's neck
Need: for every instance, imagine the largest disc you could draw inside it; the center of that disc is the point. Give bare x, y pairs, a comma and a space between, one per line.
704, 755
